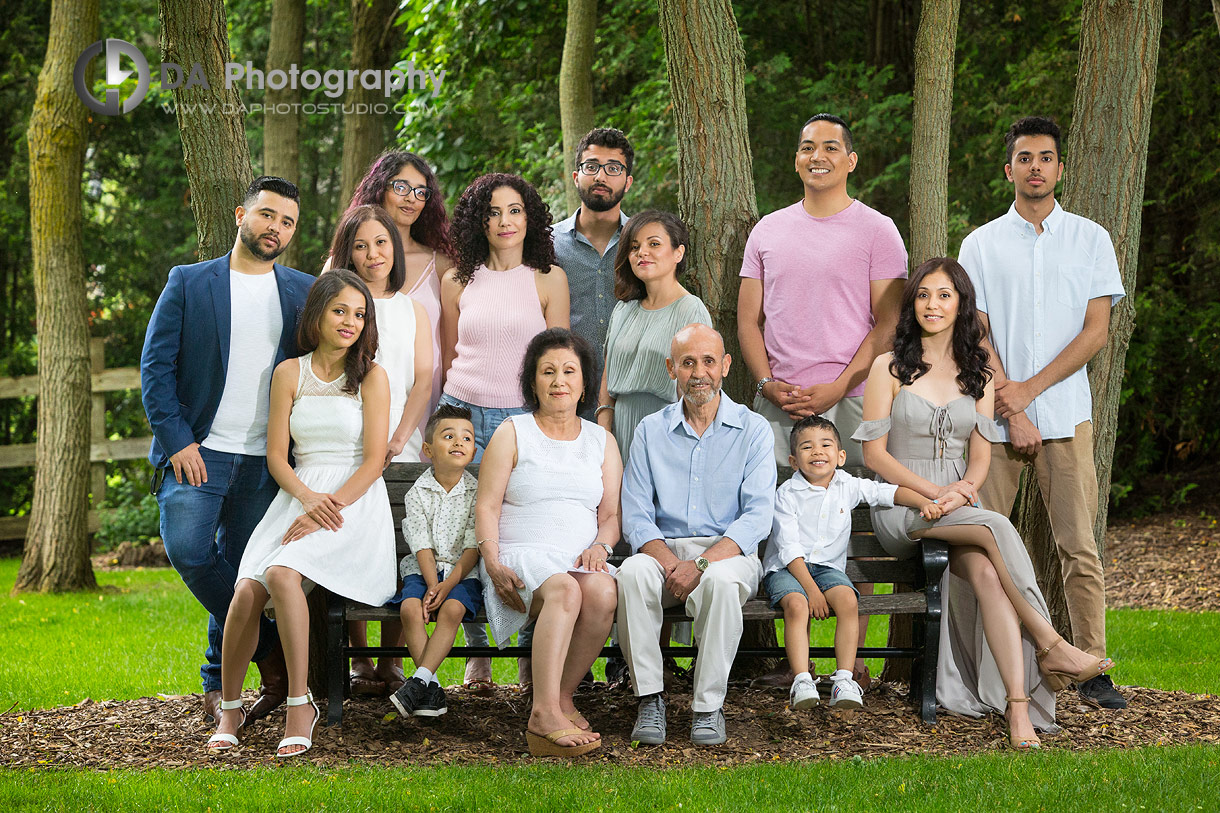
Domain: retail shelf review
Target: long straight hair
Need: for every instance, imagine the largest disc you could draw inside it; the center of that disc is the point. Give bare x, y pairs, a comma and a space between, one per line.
359, 359
345, 241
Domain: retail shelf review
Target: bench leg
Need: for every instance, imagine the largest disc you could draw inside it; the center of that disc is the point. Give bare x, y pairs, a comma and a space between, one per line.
923, 679
336, 659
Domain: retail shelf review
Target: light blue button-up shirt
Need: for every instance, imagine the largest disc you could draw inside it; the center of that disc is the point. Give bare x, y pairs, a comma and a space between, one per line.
1034, 289
679, 484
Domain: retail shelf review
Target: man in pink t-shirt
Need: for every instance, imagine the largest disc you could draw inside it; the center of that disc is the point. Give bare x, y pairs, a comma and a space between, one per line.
820, 286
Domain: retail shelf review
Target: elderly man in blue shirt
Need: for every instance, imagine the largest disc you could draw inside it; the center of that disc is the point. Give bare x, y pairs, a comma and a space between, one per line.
698, 495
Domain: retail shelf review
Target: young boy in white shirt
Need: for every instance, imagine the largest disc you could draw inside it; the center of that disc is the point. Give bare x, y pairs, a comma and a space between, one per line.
439, 527
806, 555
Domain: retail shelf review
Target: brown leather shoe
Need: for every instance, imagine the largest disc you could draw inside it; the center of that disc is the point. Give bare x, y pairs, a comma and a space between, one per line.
211, 706
274, 689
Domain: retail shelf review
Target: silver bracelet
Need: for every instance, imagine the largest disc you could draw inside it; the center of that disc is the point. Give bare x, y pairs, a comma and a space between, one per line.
601, 407
762, 382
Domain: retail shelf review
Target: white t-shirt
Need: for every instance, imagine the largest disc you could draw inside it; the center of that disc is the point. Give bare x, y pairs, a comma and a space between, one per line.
255, 325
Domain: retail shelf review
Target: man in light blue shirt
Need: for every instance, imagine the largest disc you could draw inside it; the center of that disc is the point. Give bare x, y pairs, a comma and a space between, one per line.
1045, 281
698, 495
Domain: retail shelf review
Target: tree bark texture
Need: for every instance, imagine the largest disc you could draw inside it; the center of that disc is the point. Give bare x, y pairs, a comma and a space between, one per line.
281, 126
57, 543
935, 46
706, 65
210, 120
375, 40
1216, 11
576, 86
1106, 157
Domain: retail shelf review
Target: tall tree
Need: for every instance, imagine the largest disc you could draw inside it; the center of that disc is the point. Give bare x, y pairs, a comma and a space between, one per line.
1106, 157
375, 41
57, 544
576, 86
1216, 12
210, 120
706, 66
935, 45
282, 121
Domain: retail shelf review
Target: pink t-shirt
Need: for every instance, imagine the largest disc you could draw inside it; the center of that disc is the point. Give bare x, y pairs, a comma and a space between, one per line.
817, 300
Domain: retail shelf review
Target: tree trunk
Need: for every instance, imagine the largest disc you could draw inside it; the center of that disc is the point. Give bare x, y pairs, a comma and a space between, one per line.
933, 104
57, 543
375, 40
1106, 157
281, 125
1216, 11
576, 86
210, 120
706, 65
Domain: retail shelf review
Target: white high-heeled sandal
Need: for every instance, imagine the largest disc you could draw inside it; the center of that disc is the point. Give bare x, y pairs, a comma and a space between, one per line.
223, 742
305, 741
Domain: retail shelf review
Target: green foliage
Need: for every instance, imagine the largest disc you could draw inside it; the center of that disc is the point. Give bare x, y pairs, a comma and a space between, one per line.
130, 515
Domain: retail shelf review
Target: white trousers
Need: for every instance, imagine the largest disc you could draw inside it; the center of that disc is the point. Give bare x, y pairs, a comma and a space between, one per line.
715, 605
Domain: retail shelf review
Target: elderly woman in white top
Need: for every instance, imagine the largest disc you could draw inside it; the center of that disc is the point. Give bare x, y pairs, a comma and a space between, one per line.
547, 517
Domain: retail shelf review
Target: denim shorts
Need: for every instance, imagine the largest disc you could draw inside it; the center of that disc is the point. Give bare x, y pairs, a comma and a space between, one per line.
486, 421
468, 591
780, 583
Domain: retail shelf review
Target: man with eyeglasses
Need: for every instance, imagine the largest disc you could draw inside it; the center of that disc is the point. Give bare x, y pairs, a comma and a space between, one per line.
586, 243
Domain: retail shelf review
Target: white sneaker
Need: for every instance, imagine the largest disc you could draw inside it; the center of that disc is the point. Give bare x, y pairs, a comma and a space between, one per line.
804, 694
845, 692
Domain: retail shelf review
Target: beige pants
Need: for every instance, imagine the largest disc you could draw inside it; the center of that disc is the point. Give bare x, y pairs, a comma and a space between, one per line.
715, 605
1067, 478
845, 415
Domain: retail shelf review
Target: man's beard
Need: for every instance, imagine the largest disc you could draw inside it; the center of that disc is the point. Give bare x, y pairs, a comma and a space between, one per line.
596, 204
250, 240
695, 399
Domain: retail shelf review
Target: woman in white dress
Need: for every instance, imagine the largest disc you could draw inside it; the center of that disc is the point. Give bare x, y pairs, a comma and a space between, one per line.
330, 523
547, 517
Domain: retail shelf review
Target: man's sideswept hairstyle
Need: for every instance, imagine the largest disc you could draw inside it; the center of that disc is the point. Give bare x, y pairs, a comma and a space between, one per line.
611, 139
1031, 125
271, 183
833, 119
812, 422
445, 412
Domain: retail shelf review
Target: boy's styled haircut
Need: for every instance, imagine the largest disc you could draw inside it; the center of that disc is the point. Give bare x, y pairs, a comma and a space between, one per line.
833, 119
812, 422
1031, 125
445, 412
611, 139
272, 184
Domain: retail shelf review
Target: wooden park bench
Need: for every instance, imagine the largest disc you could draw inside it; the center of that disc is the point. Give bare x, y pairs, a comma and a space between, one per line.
867, 563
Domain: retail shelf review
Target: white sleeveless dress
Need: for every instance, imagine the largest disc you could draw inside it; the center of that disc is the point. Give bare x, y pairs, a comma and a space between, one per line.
357, 561
396, 355
549, 514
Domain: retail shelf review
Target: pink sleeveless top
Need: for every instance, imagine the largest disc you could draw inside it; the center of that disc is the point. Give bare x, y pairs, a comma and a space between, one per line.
499, 313
427, 292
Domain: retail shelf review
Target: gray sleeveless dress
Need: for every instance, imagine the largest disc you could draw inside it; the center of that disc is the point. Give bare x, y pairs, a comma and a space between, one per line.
931, 441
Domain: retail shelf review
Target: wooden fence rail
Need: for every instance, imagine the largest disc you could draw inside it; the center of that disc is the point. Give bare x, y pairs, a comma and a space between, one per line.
101, 448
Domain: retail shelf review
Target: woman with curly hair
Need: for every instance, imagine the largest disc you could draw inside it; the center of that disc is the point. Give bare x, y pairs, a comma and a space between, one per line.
504, 290
927, 426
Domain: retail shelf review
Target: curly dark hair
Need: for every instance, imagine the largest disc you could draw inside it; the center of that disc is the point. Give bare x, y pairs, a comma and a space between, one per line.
309, 326
345, 241
470, 217
550, 339
1031, 125
611, 139
908, 364
431, 228
627, 286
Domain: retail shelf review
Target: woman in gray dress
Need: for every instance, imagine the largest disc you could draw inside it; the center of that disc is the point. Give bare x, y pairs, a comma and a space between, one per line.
927, 426
652, 307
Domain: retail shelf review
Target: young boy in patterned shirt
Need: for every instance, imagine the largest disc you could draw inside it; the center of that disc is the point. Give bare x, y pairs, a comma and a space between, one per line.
439, 527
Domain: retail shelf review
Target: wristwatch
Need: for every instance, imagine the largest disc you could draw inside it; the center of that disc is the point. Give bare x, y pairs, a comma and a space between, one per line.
701, 563
609, 550
762, 382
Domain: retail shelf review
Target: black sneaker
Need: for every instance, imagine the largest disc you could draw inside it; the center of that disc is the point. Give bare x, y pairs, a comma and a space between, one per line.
433, 704
617, 674
1100, 692
409, 696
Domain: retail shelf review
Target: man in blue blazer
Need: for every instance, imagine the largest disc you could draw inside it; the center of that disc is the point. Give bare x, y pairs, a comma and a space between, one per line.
219, 329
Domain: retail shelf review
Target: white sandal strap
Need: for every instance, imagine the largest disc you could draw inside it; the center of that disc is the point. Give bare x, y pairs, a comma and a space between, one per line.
227, 705
299, 701
287, 741
229, 738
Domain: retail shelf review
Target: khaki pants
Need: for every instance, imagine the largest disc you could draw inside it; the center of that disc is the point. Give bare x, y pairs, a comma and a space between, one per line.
845, 415
1067, 478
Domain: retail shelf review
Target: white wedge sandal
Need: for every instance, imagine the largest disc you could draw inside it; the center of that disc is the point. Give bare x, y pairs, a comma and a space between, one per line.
223, 742
287, 742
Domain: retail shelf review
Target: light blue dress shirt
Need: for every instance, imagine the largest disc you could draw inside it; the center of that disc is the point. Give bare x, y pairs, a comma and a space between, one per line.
590, 280
1034, 289
678, 484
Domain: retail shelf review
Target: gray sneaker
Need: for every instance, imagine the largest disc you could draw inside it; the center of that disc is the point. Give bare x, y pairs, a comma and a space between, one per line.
650, 721
707, 727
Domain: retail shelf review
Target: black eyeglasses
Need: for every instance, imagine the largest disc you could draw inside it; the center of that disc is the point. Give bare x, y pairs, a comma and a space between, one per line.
403, 189
613, 168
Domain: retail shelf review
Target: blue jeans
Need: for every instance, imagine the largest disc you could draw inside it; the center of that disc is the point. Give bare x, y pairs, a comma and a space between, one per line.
486, 421
205, 529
